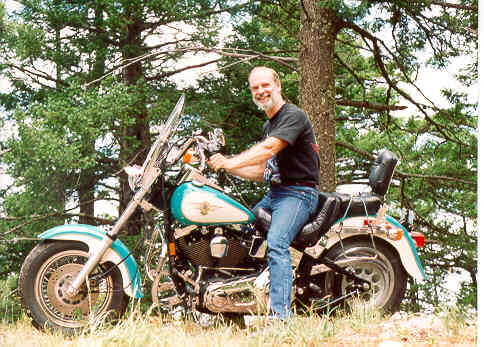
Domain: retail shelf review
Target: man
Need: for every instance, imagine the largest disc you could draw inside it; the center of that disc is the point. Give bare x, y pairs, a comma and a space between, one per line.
288, 159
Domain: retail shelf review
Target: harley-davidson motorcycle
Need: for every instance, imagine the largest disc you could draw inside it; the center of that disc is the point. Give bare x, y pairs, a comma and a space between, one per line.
207, 253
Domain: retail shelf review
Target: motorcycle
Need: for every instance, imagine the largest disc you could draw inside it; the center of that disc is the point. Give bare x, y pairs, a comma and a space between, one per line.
207, 252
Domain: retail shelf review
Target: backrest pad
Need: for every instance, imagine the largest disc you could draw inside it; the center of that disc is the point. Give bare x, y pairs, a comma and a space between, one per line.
382, 171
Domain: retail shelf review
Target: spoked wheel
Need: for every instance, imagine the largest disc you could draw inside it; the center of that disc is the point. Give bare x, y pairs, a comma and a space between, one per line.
45, 276
381, 268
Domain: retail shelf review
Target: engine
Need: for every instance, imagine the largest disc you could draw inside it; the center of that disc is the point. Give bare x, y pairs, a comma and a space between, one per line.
217, 247
230, 261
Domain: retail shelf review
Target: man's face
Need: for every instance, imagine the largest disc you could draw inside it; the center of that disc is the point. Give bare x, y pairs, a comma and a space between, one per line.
265, 91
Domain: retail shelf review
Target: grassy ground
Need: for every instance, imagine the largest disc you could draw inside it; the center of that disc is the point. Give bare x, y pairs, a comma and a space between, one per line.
361, 328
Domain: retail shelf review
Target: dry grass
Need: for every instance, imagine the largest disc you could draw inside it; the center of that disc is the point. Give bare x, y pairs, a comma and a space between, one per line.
361, 328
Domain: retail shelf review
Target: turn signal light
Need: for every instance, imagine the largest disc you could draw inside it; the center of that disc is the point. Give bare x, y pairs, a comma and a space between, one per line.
187, 157
190, 156
419, 238
171, 248
394, 234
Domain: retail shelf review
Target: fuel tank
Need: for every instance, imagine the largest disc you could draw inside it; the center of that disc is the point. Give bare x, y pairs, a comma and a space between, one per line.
196, 203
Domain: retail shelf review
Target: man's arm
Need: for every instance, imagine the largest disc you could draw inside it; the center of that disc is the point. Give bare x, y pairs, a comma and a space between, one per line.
252, 173
255, 156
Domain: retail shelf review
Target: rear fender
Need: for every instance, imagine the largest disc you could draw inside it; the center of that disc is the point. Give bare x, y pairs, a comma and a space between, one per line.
118, 253
405, 247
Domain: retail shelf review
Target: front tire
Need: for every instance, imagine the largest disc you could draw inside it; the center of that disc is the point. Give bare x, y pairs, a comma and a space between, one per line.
385, 273
46, 273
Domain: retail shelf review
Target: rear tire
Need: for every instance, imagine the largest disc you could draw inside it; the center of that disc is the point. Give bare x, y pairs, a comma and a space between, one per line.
385, 273
47, 272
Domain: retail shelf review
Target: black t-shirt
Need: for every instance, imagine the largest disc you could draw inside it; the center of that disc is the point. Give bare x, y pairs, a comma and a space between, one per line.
299, 160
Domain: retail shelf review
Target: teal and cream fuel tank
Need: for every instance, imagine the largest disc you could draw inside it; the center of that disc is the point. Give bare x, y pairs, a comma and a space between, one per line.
193, 203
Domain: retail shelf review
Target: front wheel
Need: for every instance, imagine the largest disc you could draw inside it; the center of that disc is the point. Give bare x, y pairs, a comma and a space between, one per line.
46, 274
381, 267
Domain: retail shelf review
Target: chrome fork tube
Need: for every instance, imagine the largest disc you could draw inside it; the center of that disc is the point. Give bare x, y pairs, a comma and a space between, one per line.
108, 240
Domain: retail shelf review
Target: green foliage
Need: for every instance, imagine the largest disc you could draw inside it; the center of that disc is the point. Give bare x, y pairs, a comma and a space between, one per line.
74, 128
3, 21
350, 11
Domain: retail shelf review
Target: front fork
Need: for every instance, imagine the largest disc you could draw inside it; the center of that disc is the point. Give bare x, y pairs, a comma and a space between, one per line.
108, 240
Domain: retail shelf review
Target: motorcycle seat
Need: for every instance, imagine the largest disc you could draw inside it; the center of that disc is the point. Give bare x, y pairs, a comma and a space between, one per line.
331, 207
366, 203
327, 212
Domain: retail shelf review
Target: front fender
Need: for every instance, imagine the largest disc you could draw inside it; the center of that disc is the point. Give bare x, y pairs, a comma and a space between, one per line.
118, 253
405, 247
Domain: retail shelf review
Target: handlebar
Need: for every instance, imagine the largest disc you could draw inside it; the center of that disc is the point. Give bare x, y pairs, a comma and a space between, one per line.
211, 146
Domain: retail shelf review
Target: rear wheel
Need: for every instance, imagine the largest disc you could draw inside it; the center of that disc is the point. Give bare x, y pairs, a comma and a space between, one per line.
381, 267
46, 274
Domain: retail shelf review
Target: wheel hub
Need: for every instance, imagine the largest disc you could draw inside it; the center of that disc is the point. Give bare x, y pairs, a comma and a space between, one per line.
57, 286
373, 273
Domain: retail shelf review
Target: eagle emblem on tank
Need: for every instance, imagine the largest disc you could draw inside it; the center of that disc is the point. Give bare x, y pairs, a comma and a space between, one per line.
206, 207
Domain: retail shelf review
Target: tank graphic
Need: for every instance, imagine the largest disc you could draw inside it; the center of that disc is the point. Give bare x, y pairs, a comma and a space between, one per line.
193, 204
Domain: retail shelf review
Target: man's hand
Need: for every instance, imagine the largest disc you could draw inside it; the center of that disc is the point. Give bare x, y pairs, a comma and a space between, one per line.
218, 161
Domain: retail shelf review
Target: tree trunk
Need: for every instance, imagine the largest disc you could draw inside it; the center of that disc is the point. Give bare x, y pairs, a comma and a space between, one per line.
87, 197
135, 138
317, 91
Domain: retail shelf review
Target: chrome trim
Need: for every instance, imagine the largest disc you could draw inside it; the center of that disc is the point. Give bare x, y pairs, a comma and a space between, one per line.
248, 295
182, 232
219, 246
351, 230
195, 176
320, 268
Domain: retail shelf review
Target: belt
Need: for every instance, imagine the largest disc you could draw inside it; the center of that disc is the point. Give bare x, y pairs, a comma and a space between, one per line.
299, 183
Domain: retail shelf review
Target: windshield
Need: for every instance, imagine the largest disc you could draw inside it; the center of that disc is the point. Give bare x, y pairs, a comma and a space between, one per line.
172, 123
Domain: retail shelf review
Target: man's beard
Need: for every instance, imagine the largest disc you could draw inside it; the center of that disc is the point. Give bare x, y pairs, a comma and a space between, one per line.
267, 105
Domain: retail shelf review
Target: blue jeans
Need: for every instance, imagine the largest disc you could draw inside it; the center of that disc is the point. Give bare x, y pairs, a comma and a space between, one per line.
291, 207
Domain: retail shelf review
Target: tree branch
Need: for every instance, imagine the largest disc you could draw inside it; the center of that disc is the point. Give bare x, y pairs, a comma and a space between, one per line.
369, 105
450, 5
36, 74
432, 177
248, 55
5, 151
350, 70
398, 173
254, 55
381, 67
361, 152
171, 73
37, 218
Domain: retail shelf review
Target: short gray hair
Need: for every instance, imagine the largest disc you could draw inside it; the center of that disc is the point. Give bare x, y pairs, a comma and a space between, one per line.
275, 75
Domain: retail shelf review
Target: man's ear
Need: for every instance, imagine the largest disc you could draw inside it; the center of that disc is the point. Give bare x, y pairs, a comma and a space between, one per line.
279, 87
